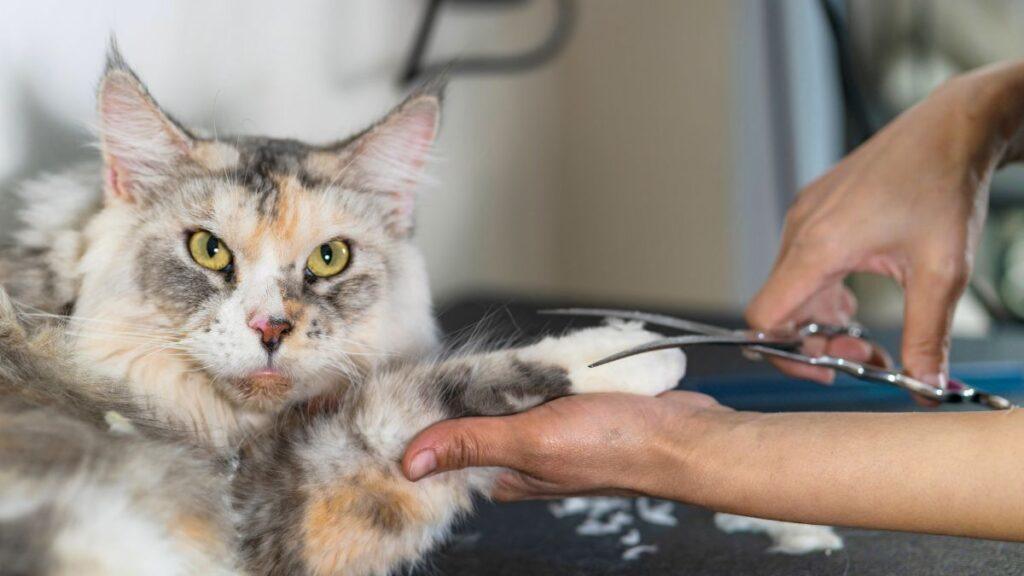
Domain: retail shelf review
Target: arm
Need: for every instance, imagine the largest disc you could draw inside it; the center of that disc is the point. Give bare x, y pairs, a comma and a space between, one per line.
1000, 104
909, 204
957, 474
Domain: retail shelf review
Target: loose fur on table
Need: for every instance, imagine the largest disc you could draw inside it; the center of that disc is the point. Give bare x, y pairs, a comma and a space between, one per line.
223, 405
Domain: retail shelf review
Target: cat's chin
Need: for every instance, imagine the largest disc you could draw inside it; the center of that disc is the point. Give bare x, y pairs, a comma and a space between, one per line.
262, 390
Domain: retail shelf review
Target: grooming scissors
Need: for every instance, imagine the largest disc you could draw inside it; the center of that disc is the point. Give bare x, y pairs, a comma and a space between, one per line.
785, 344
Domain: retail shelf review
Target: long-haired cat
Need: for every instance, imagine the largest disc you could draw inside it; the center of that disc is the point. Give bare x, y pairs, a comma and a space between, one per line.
215, 351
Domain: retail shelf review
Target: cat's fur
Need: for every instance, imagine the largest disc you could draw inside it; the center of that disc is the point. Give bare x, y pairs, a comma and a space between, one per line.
137, 433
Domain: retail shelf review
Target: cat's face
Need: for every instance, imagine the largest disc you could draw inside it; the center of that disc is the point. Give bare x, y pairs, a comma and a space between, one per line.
283, 268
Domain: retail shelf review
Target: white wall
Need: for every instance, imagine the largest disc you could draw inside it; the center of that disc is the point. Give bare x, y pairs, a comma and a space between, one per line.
313, 70
606, 175
646, 214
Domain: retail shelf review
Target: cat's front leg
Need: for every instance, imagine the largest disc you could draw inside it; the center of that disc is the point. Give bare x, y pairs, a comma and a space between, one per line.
514, 380
401, 400
322, 493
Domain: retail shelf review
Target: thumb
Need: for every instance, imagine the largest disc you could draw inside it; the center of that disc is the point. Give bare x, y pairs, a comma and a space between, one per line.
931, 298
793, 280
461, 443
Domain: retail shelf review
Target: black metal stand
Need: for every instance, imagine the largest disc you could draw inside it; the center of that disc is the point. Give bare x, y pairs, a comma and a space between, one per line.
416, 67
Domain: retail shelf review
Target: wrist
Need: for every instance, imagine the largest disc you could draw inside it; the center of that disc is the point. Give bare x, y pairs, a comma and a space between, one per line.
696, 459
991, 100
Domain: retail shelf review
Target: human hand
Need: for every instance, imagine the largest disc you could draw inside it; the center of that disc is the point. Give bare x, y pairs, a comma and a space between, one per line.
908, 204
587, 444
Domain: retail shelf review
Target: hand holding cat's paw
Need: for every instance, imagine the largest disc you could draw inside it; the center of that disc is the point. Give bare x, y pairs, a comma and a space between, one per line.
649, 374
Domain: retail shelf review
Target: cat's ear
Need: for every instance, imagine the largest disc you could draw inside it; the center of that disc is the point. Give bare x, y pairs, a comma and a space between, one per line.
389, 158
141, 144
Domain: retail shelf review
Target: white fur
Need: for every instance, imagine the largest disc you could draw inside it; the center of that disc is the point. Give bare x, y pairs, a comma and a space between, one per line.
106, 531
787, 537
109, 537
55, 205
647, 374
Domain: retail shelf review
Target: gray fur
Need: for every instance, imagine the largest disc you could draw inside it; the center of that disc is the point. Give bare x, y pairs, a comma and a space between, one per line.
178, 288
25, 543
496, 386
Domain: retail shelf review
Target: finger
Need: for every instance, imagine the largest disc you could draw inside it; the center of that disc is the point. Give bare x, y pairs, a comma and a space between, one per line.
851, 349
847, 302
925, 402
794, 280
931, 297
804, 371
462, 443
813, 346
834, 304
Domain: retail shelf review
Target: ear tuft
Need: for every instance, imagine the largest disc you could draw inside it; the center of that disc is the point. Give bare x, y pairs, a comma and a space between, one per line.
435, 86
114, 59
389, 158
141, 144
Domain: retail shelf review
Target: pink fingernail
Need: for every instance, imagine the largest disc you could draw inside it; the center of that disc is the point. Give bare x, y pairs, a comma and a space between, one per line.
423, 463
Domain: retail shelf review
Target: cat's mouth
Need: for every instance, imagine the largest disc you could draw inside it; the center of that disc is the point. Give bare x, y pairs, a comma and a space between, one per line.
268, 385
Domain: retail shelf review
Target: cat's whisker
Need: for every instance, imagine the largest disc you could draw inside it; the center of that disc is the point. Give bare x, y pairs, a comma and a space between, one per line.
38, 313
90, 333
89, 330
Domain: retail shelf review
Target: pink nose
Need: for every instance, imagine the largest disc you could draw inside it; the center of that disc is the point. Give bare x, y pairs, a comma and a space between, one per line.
272, 330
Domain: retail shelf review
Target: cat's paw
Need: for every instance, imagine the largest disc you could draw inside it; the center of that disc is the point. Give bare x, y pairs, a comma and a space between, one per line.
648, 374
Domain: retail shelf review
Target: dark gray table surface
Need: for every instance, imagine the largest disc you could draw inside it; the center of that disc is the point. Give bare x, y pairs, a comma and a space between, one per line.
526, 539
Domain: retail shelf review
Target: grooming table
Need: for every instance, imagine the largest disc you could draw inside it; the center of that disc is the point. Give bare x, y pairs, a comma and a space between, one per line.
526, 539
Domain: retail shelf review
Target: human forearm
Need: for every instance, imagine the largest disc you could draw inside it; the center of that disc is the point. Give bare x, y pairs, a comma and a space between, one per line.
957, 474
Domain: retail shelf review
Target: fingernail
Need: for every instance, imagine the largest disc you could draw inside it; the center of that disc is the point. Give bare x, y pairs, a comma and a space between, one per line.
423, 463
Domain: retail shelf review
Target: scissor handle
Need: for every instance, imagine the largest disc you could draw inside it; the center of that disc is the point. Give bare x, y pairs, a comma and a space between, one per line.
878, 374
955, 391
853, 330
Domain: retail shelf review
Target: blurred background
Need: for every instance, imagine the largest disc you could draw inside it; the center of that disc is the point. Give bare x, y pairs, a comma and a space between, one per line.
638, 153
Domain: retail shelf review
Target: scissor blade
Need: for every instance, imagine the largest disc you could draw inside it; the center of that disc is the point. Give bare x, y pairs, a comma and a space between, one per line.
655, 319
691, 340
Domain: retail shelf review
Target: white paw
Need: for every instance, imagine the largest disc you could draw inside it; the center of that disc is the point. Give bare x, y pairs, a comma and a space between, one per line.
648, 374
787, 537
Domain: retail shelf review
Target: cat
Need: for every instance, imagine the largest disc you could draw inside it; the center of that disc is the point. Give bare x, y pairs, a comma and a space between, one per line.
213, 352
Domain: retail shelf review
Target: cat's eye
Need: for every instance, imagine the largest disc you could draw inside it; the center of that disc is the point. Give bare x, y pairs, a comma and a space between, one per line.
328, 259
209, 251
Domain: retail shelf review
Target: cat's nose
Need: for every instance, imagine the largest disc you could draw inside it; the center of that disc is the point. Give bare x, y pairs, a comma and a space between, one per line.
272, 330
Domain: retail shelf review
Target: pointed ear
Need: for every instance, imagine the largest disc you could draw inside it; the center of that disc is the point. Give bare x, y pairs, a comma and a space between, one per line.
141, 144
389, 158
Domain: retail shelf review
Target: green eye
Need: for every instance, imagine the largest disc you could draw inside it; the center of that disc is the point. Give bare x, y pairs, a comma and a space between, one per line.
208, 251
328, 259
